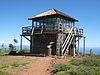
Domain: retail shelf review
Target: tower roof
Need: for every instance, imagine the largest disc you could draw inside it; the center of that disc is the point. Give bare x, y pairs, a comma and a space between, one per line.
52, 12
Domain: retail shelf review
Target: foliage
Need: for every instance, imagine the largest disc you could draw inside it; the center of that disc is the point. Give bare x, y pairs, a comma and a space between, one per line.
4, 73
89, 61
0, 51
25, 50
3, 47
76, 62
62, 67
85, 70
4, 66
91, 52
86, 66
15, 64
63, 73
11, 47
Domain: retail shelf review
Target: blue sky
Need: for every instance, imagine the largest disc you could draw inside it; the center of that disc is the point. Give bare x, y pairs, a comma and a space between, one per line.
14, 14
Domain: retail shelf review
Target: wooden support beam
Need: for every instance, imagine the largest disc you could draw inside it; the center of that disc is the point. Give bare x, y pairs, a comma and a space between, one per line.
32, 42
84, 46
27, 38
78, 46
74, 47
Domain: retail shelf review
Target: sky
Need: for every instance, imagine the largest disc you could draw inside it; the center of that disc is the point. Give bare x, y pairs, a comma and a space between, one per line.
14, 15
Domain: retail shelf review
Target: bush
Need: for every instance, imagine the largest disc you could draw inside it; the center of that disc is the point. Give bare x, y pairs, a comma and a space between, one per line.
4, 73
12, 53
91, 52
89, 61
63, 73
85, 70
25, 50
76, 62
62, 67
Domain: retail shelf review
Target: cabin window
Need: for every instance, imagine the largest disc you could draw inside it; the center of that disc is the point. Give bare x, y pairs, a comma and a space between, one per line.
45, 21
34, 23
58, 20
49, 21
41, 22
38, 24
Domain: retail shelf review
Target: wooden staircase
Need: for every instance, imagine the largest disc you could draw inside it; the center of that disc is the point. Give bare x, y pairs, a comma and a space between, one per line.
68, 41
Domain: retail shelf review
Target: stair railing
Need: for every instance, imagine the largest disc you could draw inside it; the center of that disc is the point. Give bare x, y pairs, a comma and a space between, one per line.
65, 44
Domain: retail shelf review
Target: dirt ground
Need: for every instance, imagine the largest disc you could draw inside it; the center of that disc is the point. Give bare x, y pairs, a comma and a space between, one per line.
43, 65
37, 66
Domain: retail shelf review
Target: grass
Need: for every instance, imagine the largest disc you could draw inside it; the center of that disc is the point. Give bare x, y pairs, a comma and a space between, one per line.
4, 73
63, 73
14, 64
4, 66
62, 67
86, 66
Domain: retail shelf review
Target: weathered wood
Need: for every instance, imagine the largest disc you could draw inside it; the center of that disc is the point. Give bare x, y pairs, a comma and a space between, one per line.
57, 28
84, 45
78, 45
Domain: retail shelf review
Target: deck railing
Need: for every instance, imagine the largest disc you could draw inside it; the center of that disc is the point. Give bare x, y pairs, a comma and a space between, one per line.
28, 30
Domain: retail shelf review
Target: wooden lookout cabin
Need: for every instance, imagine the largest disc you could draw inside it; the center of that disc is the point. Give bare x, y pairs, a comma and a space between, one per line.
53, 33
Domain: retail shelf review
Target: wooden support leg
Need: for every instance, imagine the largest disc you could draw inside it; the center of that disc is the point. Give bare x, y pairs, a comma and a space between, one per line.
32, 42
78, 47
74, 47
84, 45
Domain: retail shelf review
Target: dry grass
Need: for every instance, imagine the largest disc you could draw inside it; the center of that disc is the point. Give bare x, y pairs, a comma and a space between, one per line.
15, 64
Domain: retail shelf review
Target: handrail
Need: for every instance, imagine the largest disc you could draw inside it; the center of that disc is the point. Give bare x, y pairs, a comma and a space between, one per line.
67, 36
32, 31
69, 43
67, 40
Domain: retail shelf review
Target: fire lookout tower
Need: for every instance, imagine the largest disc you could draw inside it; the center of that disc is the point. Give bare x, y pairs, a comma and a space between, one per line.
53, 33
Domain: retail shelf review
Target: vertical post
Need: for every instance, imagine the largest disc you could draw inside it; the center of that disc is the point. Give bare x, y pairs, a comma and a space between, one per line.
32, 43
74, 47
78, 46
21, 43
84, 45
58, 44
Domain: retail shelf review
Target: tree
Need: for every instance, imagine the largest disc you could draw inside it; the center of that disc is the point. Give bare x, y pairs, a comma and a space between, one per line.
3, 47
91, 52
11, 47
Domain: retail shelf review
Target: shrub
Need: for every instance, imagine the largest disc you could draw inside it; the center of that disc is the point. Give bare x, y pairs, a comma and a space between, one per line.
91, 62
76, 62
63, 73
85, 70
62, 67
12, 53
91, 52
4, 73
25, 50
